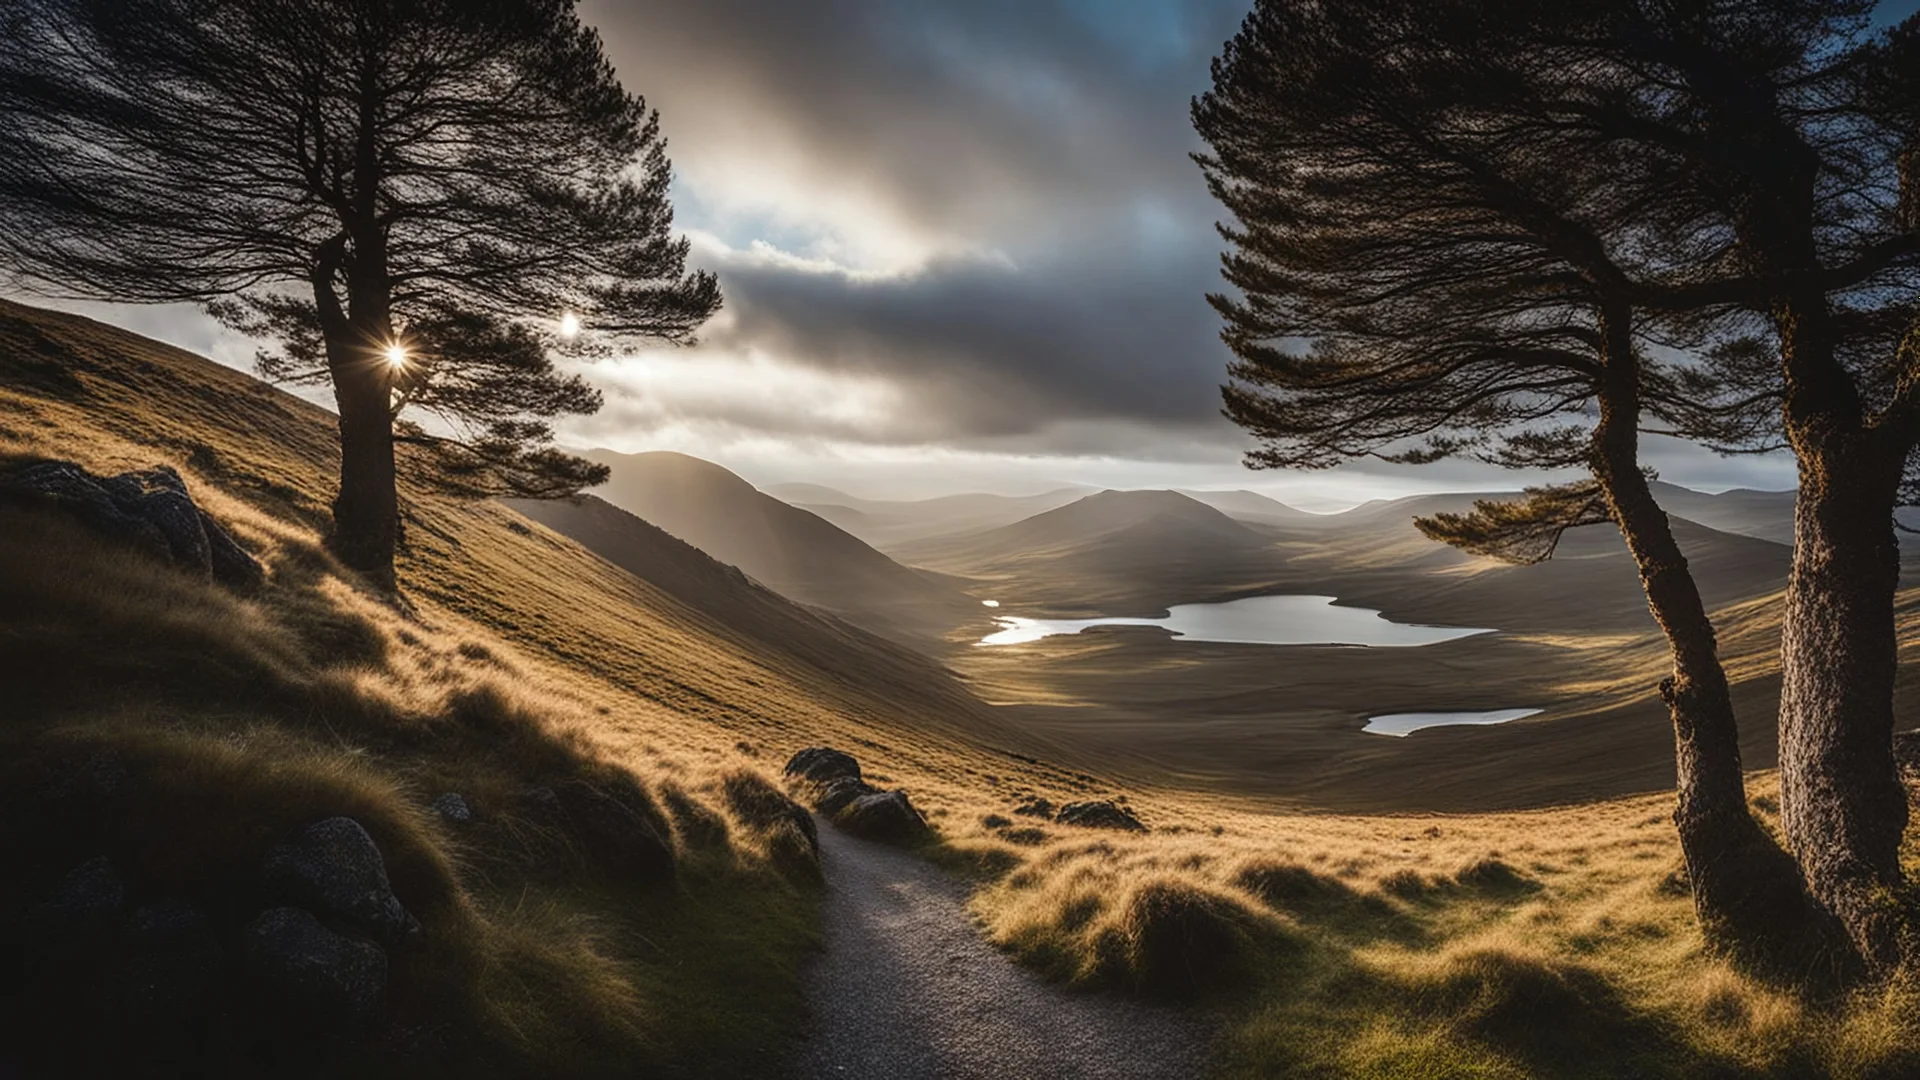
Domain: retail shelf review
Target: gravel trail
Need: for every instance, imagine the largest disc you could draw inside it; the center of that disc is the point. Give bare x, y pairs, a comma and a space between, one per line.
908, 988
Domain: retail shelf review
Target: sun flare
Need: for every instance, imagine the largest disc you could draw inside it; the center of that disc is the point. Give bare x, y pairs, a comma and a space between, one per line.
569, 325
396, 356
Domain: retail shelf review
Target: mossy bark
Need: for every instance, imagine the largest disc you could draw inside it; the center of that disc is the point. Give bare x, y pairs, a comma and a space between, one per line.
1842, 804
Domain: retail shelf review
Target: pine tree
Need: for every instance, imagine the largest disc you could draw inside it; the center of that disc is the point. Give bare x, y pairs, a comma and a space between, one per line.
1524, 232
422, 202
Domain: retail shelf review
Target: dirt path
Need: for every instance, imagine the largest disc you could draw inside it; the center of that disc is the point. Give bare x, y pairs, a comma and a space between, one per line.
908, 988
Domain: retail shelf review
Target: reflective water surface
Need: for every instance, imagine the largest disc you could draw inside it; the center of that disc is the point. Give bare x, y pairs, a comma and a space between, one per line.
1402, 724
1255, 620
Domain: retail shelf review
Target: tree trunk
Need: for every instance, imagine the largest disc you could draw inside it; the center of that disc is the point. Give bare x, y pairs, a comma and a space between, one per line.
1747, 892
1842, 804
366, 515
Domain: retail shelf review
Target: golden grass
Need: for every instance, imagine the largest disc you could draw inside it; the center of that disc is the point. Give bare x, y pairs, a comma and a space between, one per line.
1556, 942
228, 723
1551, 942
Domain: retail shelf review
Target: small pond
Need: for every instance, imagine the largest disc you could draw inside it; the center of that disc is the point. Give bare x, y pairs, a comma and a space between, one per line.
1406, 723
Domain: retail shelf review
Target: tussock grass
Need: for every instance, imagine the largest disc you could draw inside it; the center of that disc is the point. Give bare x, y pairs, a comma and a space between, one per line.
1546, 943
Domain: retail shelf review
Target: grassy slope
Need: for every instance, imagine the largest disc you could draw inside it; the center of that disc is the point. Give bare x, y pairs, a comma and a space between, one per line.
1547, 943
520, 660
791, 550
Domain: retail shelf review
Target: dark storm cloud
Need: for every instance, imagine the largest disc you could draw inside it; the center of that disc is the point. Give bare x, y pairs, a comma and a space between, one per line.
1038, 148
998, 351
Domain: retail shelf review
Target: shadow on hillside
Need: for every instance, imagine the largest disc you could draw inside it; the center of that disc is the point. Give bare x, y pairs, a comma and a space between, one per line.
181, 732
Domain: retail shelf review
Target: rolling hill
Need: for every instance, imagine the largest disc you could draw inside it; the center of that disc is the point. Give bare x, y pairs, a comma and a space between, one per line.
1249, 506
1111, 553
1376, 557
888, 524
1767, 515
794, 552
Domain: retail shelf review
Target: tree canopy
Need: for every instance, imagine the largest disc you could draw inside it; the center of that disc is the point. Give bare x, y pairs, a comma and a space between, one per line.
1527, 234
409, 196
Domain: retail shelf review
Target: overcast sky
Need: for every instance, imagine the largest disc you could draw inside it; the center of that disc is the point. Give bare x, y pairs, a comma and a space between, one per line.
962, 248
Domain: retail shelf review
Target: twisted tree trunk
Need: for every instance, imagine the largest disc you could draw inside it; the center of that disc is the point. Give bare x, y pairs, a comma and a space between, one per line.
1747, 892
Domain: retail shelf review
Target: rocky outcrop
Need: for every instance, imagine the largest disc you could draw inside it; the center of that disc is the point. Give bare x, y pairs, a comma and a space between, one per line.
334, 867
1099, 815
148, 509
832, 781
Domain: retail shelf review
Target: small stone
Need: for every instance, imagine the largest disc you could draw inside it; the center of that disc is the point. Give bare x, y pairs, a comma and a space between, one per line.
453, 807
293, 952
336, 868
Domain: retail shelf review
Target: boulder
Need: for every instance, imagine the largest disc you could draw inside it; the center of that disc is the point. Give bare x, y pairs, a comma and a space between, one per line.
453, 807
334, 867
839, 794
1099, 815
78, 493
883, 815
822, 765
297, 956
159, 497
149, 509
